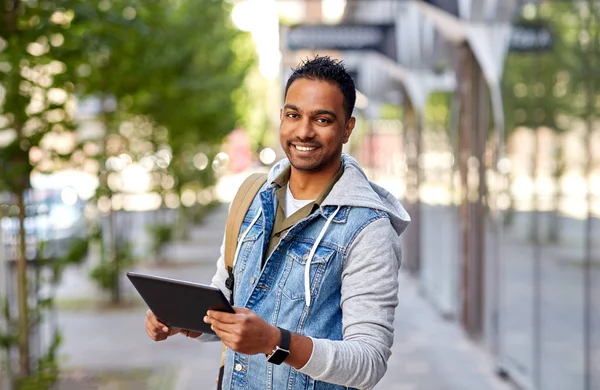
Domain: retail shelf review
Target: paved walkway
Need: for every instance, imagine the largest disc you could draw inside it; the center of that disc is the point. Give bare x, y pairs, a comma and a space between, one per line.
429, 352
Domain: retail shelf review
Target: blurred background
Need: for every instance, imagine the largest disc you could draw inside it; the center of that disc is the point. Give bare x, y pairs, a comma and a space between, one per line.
127, 126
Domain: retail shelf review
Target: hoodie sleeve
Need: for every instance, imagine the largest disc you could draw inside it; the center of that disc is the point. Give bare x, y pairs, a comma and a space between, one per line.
369, 298
221, 275
218, 281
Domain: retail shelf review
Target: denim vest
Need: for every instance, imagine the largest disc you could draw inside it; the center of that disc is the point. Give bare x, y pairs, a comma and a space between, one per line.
277, 292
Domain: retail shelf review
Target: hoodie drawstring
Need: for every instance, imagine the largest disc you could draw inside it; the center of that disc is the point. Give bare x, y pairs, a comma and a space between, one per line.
237, 250
311, 255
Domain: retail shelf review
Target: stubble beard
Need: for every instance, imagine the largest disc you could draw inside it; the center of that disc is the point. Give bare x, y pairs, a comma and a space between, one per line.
300, 164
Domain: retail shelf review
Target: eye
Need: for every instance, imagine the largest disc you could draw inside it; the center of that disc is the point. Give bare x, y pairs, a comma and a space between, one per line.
323, 120
291, 115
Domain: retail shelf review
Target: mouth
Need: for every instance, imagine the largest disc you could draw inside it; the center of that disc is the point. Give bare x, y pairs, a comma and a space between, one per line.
302, 148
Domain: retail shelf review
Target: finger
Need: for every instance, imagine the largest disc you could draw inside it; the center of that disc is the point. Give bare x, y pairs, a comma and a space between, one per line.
226, 337
157, 324
154, 335
224, 328
220, 316
232, 340
219, 335
150, 327
149, 333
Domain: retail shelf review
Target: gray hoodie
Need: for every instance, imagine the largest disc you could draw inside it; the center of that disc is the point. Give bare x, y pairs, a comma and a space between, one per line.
360, 359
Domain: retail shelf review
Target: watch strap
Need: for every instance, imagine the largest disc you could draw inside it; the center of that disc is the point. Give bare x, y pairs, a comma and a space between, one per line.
286, 339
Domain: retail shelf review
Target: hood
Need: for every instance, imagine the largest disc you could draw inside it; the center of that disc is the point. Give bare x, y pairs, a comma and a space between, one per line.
355, 190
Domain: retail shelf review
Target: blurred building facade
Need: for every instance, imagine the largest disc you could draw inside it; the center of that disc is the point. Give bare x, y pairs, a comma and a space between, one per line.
483, 117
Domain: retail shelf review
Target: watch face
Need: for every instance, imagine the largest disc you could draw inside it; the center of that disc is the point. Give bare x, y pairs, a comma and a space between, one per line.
279, 356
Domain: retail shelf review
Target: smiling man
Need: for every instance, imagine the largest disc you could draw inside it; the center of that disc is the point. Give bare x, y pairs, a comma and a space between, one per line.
316, 273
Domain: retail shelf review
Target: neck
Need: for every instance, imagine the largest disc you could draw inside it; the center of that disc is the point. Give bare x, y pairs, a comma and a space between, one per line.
306, 185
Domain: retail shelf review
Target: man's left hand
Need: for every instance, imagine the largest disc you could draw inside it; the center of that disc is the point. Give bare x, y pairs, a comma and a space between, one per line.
244, 332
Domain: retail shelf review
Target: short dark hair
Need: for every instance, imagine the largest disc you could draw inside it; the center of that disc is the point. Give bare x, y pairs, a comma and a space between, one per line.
330, 70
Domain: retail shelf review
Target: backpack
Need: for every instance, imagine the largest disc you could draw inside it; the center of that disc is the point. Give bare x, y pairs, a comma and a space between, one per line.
239, 208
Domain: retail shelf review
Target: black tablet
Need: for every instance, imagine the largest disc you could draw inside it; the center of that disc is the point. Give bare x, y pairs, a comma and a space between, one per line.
178, 303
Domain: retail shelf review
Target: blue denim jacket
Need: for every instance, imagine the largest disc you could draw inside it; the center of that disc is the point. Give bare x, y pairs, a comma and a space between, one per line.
277, 292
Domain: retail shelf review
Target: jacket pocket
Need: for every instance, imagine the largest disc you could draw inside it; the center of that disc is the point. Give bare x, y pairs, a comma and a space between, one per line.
292, 283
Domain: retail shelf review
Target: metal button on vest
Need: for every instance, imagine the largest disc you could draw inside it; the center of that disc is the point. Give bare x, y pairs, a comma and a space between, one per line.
238, 367
251, 280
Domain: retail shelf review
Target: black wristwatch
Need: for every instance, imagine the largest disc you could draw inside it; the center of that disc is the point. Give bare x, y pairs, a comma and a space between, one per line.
282, 351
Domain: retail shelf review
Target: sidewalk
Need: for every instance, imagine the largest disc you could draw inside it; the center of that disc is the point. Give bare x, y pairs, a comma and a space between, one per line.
429, 353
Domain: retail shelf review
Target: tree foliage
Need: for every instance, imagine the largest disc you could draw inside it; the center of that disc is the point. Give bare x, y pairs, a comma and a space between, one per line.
36, 101
548, 88
178, 64
168, 77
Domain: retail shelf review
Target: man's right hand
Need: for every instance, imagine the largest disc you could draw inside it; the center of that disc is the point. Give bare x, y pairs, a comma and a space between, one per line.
159, 331
156, 329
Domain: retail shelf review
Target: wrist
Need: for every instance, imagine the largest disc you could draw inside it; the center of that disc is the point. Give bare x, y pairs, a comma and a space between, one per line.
274, 339
190, 333
282, 350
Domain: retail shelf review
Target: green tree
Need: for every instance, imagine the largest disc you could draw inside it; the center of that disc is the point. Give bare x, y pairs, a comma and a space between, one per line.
178, 67
206, 61
36, 117
546, 88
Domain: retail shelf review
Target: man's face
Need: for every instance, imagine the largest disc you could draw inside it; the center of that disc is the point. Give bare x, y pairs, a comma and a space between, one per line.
313, 125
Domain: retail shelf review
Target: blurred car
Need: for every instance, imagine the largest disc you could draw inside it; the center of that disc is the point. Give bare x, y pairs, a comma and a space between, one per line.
54, 218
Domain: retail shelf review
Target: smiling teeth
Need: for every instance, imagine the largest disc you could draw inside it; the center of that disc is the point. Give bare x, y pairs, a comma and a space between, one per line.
304, 148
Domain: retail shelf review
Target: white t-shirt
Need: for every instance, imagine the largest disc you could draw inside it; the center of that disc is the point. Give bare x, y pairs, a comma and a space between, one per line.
292, 205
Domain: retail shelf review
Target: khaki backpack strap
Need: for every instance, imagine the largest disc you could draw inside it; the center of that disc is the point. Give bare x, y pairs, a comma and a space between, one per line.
239, 208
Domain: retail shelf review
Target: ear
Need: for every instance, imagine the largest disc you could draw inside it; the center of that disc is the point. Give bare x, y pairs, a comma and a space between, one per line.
281, 114
348, 129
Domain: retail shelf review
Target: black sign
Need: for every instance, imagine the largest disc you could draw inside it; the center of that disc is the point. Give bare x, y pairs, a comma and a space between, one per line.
379, 38
531, 38
450, 6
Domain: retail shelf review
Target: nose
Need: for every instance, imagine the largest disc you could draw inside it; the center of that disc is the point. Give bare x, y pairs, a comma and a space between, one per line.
305, 129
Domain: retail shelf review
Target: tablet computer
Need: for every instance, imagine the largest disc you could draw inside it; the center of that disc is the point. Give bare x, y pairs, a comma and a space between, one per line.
178, 303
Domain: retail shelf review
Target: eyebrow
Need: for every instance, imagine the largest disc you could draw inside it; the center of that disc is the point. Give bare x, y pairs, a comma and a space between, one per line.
315, 112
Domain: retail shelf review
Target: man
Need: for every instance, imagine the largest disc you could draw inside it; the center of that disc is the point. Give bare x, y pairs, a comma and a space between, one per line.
316, 272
